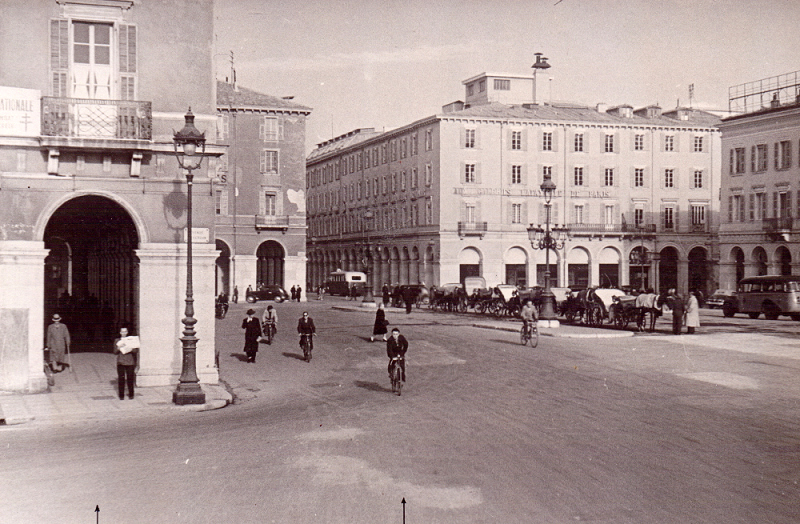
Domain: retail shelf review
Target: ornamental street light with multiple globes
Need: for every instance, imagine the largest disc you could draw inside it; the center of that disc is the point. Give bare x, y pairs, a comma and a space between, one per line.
547, 239
186, 143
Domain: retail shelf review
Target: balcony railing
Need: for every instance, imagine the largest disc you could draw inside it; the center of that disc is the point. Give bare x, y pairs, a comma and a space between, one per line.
778, 225
466, 229
88, 118
612, 228
271, 222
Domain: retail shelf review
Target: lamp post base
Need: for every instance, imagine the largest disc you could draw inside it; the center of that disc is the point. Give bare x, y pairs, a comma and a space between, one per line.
188, 393
547, 315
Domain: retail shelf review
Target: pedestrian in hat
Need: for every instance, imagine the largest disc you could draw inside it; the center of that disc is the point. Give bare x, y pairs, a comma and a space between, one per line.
58, 342
252, 332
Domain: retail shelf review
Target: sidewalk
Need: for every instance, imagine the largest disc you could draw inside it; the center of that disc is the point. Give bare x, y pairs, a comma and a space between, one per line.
89, 391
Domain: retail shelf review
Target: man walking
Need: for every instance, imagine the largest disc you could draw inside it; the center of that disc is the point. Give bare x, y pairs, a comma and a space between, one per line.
58, 343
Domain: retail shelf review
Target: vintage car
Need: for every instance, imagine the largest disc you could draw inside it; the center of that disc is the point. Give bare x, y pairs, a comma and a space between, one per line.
720, 297
269, 292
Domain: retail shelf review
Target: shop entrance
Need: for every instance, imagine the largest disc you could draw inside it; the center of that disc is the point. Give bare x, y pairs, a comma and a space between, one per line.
91, 276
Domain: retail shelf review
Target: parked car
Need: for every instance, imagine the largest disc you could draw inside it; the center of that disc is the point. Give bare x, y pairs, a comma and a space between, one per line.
270, 292
720, 297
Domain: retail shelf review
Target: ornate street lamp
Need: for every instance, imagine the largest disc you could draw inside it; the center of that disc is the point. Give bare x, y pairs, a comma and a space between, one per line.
640, 257
186, 143
366, 261
548, 239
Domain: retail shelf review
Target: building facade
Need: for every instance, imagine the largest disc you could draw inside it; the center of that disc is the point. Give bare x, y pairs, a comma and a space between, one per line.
759, 232
260, 195
452, 195
93, 207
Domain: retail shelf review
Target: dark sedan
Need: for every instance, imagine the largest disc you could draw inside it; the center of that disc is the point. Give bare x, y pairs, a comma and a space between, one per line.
276, 293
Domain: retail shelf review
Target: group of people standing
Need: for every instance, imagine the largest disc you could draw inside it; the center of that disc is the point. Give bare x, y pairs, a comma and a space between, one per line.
296, 293
684, 311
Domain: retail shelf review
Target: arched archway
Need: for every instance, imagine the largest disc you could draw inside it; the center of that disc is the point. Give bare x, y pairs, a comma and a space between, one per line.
783, 259
760, 260
668, 269
698, 270
222, 269
609, 260
92, 272
269, 263
578, 268
516, 264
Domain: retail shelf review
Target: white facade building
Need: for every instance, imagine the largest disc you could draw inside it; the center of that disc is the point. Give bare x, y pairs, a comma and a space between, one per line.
452, 195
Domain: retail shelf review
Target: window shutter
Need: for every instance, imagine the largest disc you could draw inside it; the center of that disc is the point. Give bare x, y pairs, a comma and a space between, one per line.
676, 142
477, 138
524, 170
524, 213
663, 142
676, 177
777, 155
554, 215
462, 138
59, 57
477, 172
775, 204
554, 134
632, 183
616, 142
676, 217
788, 204
127, 62
524, 140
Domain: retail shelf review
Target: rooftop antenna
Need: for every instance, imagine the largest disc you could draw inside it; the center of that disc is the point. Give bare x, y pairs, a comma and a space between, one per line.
541, 64
691, 96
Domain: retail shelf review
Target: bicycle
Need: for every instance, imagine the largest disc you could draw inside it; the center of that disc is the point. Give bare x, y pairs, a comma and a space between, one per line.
306, 344
396, 375
529, 334
269, 331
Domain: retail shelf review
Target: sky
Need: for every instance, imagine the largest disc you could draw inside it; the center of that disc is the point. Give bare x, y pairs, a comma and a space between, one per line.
387, 63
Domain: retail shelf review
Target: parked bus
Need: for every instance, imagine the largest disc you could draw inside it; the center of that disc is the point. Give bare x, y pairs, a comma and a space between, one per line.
772, 295
340, 282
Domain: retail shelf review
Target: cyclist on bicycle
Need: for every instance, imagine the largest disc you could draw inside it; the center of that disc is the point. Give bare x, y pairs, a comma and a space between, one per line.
305, 326
269, 322
396, 346
529, 314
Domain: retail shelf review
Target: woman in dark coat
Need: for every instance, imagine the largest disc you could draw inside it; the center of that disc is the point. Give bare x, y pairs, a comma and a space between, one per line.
252, 331
380, 324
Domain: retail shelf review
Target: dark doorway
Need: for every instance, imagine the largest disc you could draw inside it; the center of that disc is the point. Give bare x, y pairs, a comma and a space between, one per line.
92, 272
668, 269
269, 267
469, 270
698, 270
784, 261
515, 275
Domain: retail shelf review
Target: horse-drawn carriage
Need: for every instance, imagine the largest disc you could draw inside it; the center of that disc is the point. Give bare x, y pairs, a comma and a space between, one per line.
598, 306
448, 297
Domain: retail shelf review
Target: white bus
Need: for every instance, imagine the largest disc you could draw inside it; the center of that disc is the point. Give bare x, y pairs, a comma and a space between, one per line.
339, 282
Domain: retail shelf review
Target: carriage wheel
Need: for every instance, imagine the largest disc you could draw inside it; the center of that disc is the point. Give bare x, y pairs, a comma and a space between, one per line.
499, 309
570, 314
620, 320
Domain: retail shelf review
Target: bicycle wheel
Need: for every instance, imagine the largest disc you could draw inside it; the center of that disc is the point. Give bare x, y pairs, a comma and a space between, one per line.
534, 337
397, 380
523, 336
